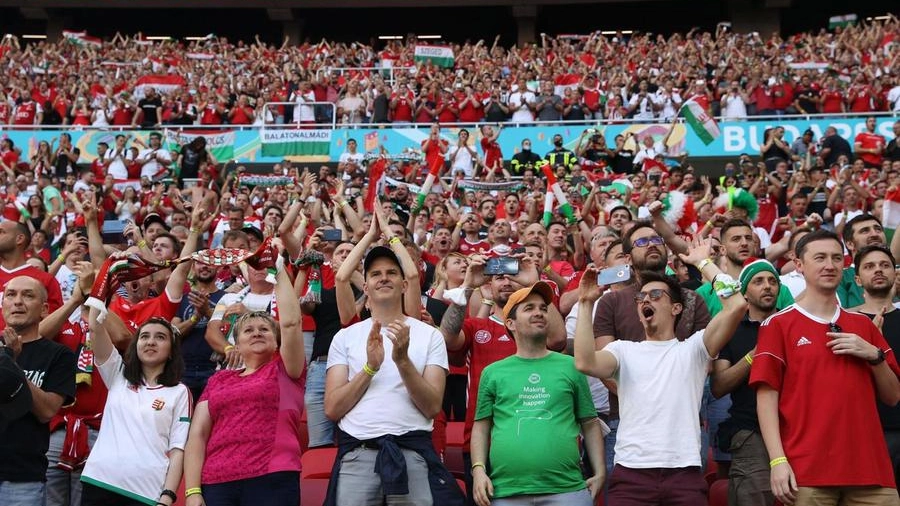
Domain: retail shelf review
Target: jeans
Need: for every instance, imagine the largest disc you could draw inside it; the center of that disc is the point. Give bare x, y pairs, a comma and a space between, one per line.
308, 339
609, 446
360, 485
64, 487
579, 498
717, 412
321, 429
273, 489
22, 493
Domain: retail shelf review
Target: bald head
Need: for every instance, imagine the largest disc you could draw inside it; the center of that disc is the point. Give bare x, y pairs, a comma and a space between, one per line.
24, 303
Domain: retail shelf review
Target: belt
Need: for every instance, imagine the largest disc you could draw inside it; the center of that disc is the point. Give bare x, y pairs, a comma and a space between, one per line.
321, 358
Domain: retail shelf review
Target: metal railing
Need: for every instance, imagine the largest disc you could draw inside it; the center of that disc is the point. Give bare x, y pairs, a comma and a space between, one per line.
505, 124
330, 105
382, 71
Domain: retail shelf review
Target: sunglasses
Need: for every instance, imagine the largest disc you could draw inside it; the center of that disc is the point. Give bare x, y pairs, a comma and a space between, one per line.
834, 327
654, 295
643, 242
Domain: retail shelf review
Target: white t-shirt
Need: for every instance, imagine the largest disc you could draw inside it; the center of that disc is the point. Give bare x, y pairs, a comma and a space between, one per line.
795, 282
839, 217
733, 107
660, 390
252, 301
117, 168
153, 167
893, 98
463, 161
369, 419
140, 426
519, 102
304, 112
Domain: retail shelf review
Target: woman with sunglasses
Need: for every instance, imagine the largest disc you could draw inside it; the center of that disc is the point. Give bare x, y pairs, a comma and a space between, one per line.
139, 452
244, 446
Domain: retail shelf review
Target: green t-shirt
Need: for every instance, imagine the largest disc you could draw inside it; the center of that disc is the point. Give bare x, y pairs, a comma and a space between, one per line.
50, 192
849, 293
537, 406
714, 303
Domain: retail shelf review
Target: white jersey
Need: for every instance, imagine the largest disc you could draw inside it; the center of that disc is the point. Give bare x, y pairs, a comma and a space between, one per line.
368, 419
141, 425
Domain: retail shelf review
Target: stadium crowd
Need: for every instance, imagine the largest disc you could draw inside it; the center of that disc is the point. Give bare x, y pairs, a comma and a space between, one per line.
85, 81
652, 325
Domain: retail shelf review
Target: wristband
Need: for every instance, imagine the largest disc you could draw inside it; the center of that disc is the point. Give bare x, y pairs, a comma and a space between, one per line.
168, 493
229, 348
703, 263
487, 302
369, 369
142, 243
394, 240
776, 461
194, 319
195, 230
342, 204
748, 358
709, 224
192, 491
478, 464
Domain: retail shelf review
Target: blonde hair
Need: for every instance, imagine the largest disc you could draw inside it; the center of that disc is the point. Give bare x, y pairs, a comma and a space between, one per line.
263, 315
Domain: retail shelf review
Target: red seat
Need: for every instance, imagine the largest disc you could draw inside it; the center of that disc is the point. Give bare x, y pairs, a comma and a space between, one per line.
317, 463
462, 486
453, 460
312, 491
456, 433
711, 478
718, 493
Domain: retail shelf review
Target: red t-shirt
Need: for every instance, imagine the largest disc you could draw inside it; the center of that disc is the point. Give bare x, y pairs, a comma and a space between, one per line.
862, 99
827, 402
486, 342
870, 141
470, 113
434, 153
403, 111
469, 248
135, 314
446, 115
122, 116
26, 113
492, 153
54, 294
831, 101
89, 399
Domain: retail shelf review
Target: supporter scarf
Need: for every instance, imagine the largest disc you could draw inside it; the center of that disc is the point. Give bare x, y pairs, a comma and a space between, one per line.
85, 364
266, 257
265, 181
471, 184
117, 270
314, 260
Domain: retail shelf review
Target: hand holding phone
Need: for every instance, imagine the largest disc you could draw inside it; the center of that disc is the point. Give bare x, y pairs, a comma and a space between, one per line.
613, 275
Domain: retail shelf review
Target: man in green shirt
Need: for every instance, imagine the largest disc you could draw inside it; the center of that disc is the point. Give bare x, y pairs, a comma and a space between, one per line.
531, 408
863, 230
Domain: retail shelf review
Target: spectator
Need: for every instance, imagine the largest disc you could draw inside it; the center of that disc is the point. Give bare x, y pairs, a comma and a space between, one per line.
833, 147
869, 146
522, 103
48, 371
136, 460
851, 339
548, 105
518, 470
270, 380
734, 102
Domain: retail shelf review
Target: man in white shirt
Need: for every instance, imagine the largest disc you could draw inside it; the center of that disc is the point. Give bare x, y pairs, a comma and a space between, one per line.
154, 160
118, 158
304, 95
350, 160
668, 100
521, 102
660, 384
384, 385
642, 104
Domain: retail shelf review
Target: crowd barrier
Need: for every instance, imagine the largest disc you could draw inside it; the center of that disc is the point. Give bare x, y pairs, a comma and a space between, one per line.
315, 144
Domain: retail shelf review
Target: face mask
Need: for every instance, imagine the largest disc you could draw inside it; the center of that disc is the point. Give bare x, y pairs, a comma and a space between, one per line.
557, 143
526, 148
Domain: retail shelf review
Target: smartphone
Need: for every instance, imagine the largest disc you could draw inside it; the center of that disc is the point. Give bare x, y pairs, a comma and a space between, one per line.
113, 232
466, 209
519, 251
332, 235
501, 265
654, 178
614, 275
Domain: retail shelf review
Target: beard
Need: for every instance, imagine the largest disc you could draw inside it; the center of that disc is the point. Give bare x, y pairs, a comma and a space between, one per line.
650, 265
879, 292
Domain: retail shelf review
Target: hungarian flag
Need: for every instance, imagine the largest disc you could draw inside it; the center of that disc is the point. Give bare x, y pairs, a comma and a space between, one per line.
841, 21
701, 123
565, 81
162, 83
891, 214
376, 173
442, 56
81, 38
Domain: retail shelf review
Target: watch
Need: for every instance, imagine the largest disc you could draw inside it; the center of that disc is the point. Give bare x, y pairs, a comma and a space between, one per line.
879, 359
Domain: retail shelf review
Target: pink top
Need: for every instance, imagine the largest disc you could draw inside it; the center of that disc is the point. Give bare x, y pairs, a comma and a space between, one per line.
255, 423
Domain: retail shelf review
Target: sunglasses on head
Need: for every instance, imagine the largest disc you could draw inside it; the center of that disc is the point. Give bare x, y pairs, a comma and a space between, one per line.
643, 242
654, 295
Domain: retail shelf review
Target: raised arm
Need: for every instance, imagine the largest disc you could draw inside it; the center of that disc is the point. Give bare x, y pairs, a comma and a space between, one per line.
673, 240
346, 302
292, 351
597, 363
734, 306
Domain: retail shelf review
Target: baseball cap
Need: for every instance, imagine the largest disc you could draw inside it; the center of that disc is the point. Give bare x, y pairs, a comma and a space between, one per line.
541, 288
154, 218
255, 232
380, 252
15, 396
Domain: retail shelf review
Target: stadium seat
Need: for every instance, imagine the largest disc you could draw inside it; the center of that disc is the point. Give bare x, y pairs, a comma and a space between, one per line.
312, 491
456, 433
453, 459
317, 463
718, 493
462, 486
